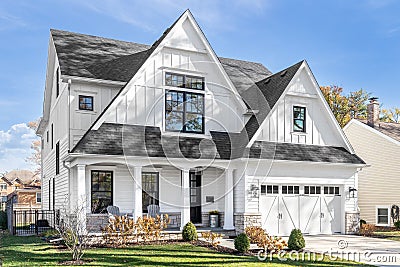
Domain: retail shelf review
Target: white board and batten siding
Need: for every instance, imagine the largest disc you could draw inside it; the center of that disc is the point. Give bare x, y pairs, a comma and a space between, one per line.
320, 130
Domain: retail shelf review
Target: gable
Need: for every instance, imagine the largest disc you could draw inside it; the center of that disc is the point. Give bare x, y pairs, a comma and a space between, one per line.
182, 50
321, 127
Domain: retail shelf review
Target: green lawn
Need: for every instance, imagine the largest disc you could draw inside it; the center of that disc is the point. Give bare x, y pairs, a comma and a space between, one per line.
31, 251
391, 235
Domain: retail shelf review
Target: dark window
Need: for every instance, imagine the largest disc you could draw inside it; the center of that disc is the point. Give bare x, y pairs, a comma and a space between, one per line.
312, 190
101, 191
184, 112
58, 157
149, 189
290, 189
58, 82
52, 136
54, 193
183, 81
263, 189
299, 119
38, 197
332, 190
86, 102
47, 136
383, 216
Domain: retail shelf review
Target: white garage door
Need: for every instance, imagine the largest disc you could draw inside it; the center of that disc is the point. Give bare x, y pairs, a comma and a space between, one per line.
314, 209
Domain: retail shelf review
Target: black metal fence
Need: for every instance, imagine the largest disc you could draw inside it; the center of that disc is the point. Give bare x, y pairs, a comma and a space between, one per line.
33, 222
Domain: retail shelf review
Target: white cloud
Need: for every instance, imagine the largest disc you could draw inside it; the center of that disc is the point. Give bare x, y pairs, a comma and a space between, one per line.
8, 21
15, 147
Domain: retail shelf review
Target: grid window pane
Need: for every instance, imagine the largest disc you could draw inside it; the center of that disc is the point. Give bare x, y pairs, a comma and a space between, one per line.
275, 189
307, 190
174, 80
85, 102
263, 189
299, 118
337, 190
318, 190
150, 190
284, 189
101, 187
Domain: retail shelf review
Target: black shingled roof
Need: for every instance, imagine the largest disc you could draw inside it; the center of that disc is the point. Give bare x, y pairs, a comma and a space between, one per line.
138, 140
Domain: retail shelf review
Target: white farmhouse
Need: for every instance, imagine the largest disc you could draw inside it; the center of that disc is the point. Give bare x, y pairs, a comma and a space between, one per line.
174, 125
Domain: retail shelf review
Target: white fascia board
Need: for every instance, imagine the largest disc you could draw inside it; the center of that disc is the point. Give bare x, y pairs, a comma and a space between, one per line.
65, 78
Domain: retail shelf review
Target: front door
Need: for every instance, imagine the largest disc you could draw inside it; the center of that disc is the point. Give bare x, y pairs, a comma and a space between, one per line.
195, 197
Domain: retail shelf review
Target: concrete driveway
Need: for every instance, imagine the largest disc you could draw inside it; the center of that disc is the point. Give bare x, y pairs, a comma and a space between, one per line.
374, 251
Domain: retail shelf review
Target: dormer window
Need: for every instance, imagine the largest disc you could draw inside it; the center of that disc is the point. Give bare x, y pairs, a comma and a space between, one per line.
299, 119
184, 81
86, 102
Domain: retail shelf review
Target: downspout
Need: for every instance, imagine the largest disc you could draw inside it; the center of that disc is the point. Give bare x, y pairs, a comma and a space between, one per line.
69, 115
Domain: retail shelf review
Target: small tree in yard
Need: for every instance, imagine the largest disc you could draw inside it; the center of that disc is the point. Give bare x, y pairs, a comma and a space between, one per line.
72, 230
296, 240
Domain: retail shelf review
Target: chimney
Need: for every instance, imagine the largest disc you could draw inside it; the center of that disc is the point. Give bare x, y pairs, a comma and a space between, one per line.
373, 112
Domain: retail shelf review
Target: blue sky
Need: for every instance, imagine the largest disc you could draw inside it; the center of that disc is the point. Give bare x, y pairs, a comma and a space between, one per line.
351, 43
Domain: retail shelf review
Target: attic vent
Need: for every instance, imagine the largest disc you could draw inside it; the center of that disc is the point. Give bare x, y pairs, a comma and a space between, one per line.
283, 73
267, 80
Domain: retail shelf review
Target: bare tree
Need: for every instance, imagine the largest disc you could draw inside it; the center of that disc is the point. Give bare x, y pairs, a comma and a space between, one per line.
35, 157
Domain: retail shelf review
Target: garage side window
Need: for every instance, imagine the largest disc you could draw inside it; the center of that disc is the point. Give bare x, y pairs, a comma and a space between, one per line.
290, 189
382, 216
269, 189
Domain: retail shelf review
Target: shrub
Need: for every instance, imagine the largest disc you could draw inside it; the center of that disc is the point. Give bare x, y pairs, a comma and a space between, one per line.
397, 225
296, 240
367, 229
214, 212
3, 220
189, 232
211, 237
242, 243
362, 222
50, 233
257, 235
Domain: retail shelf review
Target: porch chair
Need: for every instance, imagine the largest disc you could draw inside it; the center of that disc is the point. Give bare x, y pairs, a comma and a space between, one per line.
113, 211
153, 210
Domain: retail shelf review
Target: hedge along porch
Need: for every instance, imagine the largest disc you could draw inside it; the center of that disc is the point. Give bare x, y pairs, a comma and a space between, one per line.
185, 194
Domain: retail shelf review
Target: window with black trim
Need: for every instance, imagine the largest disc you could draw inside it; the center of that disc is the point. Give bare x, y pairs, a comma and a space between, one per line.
47, 136
299, 119
332, 190
101, 191
52, 136
58, 157
150, 190
38, 197
184, 81
86, 102
312, 190
184, 112
290, 189
58, 82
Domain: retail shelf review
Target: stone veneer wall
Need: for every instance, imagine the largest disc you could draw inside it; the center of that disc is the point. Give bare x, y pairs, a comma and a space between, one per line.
242, 220
352, 222
94, 222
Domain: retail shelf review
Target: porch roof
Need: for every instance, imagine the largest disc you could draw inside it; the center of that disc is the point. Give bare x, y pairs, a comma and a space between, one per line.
147, 141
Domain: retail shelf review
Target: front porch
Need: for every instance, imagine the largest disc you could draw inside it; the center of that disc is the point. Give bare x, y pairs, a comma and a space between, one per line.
185, 194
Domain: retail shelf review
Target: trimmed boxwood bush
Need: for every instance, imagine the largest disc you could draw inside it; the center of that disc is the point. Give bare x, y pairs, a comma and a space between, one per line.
296, 240
189, 232
397, 225
242, 243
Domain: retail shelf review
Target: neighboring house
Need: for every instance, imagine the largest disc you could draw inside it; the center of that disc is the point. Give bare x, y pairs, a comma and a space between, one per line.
22, 189
378, 143
173, 124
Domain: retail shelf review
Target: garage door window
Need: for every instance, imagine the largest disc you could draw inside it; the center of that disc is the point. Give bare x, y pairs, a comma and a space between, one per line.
269, 189
290, 189
331, 190
312, 190
383, 216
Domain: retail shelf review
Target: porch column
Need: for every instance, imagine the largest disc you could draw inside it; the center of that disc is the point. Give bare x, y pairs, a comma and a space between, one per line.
137, 175
185, 209
82, 200
228, 213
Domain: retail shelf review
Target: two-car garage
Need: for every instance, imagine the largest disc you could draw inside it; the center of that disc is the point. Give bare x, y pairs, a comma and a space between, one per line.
314, 209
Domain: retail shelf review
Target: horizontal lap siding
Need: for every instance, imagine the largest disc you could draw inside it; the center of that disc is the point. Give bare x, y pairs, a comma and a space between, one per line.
213, 184
170, 192
123, 189
378, 185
